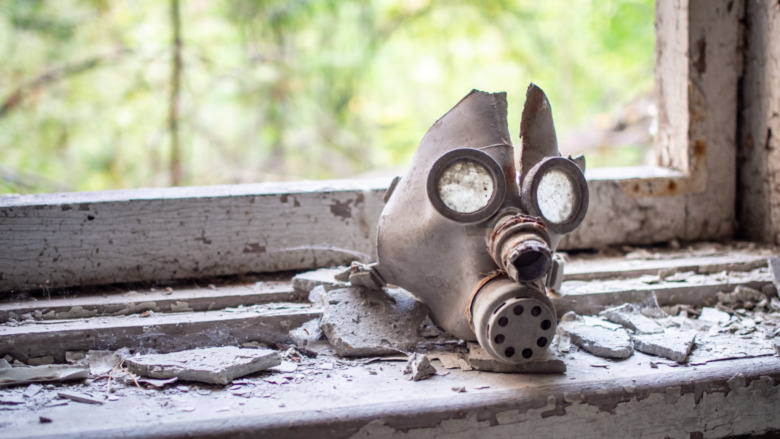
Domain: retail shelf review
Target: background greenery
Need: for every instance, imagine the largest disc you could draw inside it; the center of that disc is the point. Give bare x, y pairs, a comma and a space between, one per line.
98, 94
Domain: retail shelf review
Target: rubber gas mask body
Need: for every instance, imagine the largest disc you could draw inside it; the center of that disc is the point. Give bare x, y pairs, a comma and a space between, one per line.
474, 239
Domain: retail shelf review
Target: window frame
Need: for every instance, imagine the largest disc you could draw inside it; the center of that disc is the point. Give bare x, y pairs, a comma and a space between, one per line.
72, 239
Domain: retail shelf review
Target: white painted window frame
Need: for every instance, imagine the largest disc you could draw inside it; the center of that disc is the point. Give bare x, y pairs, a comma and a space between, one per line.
71, 239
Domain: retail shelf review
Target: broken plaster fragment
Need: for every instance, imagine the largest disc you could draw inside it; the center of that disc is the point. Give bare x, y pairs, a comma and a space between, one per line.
419, 367
546, 363
326, 277
714, 315
41, 374
103, 362
359, 323
219, 365
599, 340
80, 397
672, 345
630, 317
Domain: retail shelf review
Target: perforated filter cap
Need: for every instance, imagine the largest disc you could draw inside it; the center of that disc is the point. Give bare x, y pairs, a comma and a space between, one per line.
514, 323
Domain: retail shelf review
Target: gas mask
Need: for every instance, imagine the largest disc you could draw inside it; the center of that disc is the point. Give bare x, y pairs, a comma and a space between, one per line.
472, 237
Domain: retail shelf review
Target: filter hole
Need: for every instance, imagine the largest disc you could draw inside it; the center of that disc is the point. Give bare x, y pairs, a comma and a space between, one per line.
527, 353
541, 342
499, 338
546, 324
510, 351
503, 321
535, 311
518, 310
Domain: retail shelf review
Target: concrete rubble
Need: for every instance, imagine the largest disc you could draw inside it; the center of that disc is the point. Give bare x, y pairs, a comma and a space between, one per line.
597, 339
80, 397
419, 367
219, 365
359, 323
672, 345
41, 374
630, 317
325, 277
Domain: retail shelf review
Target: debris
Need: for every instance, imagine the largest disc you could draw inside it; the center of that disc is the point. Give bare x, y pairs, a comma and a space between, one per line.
629, 316
325, 366
4, 364
80, 397
481, 360
219, 365
419, 367
672, 275
73, 357
103, 362
32, 390
12, 399
360, 323
285, 367
594, 321
598, 340
741, 297
157, 383
308, 332
672, 345
602, 366
714, 315
649, 279
44, 420
451, 360
460, 389
325, 277
40, 361
41, 374
653, 365
774, 268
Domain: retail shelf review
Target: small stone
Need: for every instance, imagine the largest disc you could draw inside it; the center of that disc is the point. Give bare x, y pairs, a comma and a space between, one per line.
599, 341
672, 345
157, 383
44, 420
419, 367
219, 365
630, 317
460, 389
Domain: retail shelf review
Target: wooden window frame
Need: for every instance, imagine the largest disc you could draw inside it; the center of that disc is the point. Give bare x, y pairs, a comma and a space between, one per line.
73, 239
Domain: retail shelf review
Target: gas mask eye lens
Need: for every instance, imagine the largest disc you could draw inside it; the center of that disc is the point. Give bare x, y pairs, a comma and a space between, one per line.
465, 186
555, 190
555, 196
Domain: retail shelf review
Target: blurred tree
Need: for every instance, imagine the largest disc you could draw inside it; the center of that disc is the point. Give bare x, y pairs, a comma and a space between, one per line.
98, 94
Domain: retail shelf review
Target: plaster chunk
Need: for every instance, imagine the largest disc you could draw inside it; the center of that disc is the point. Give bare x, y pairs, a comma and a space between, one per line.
672, 345
219, 365
362, 323
598, 340
547, 363
714, 315
630, 317
325, 276
307, 333
419, 367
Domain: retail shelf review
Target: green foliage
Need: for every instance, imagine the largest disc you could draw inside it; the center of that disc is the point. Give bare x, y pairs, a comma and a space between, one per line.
275, 90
